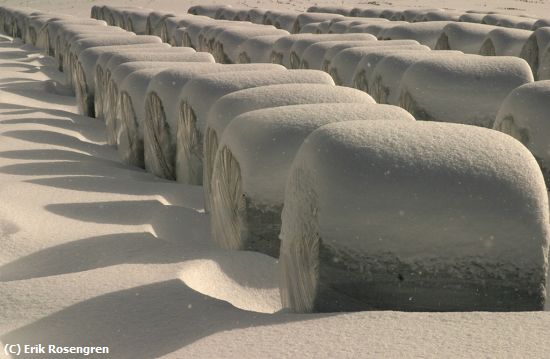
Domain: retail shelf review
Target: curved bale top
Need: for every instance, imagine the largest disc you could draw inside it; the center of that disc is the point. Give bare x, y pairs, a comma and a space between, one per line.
256, 15
467, 89
205, 10
426, 33
535, 48
253, 163
504, 42
472, 18
155, 21
201, 93
162, 112
300, 45
441, 16
474, 239
544, 22
257, 49
136, 20
374, 29
510, 21
314, 55
83, 71
343, 66
465, 37
170, 24
342, 10
524, 116
385, 81
307, 18
234, 104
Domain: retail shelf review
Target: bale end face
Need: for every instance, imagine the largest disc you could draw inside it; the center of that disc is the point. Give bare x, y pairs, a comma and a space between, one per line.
487, 48
189, 147
84, 100
530, 53
130, 145
442, 43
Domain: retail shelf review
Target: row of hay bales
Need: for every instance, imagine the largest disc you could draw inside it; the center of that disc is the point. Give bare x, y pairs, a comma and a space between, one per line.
365, 207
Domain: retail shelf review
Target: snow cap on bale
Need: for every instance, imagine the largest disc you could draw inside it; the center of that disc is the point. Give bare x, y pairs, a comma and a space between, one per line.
253, 162
504, 42
226, 44
313, 56
205, 10
286, 21
426, 33
466, 89
162, 111
375, 29
441, 16
342, 27
136, 20
343, 66
413, 216
257, 49
202, 92
307, 18
535, 49
472, 18
299, 46
524, 115
385, 81
465, 37
544, 22
170, 24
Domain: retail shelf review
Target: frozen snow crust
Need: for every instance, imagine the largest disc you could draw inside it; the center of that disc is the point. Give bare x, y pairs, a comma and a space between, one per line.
352, 182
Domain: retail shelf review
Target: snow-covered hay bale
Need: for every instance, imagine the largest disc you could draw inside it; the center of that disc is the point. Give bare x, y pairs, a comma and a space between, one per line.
345, 65
209, 33
192, 32
257, 49
136, 20
307, 18
155, 22
314, 55
201, 93
313, 28
170, 24
342, 27
545, 22
504, 42
474, 239
524, 116
535, 48
55, 27
467, 89
441, 16
280, 53
511, 21
83, 71
253, 163
415, 15
473, 18
300, 45
103, 75
205, 10
162, 112
270, 16
286, 21
256, 15
376, 28
342, 10
232, 105
231, 13
426, 33
385, 81
373, 12
463, 36
227, 44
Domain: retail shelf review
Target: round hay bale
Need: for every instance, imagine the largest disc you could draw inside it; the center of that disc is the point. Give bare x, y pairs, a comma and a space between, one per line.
286, 21
253, 163
473, 18
342, 10
535, 48
524, 116
170, 24
307, 18
463, 36
374, 29
545, 22
155, 21
426, 33
162, 112
256, 15
198, 96
504, 42
205, 10
136, 20
313, 56
257, 49
362, 230
467, 89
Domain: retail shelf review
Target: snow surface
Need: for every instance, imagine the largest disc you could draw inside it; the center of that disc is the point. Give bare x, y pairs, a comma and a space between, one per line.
351, 182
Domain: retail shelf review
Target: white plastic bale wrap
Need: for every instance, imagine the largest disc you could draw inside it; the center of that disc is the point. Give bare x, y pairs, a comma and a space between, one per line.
474, 239
344, 66
300, 45
155, 21
504, 42
535, 49
385, 81
467, 89
226, 44
313, 56
426, 33
524, 116
257, 49
230, 106
84, 69
465, 37
253, 163
201, 93
334, 51
162, 111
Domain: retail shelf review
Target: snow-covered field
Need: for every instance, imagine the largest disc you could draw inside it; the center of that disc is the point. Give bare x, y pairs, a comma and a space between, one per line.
98, 253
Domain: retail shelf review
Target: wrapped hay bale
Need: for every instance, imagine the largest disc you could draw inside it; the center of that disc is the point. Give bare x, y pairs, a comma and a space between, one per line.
474, 239
467, 89
155, 20
257, 49
463, 36
535, 48
300, 45
504, 42
253, 163
103, 73
473, 18
234, 104
345, 66
307, 18
162, 112
426, 33
226, 47
524, 116
385, 81
201, 93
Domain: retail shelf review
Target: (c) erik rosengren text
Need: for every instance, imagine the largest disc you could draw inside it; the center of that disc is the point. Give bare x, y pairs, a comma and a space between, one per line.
19, 349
